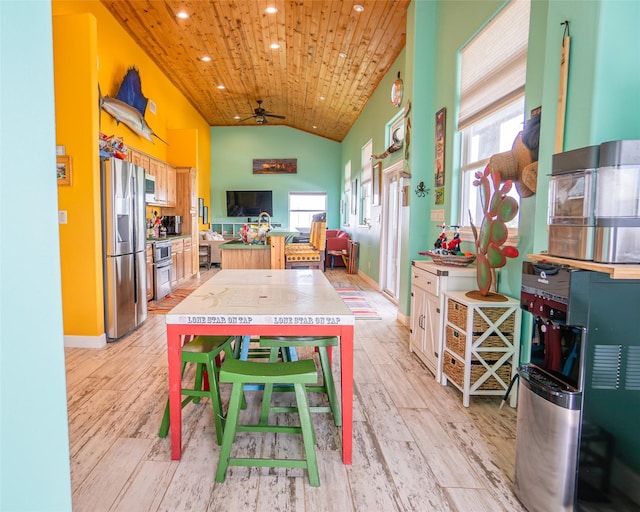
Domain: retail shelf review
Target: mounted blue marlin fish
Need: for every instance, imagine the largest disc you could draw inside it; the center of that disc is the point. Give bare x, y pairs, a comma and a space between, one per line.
129, 105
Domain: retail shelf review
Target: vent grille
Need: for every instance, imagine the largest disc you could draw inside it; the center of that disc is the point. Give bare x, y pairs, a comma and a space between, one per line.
606, 367
632, 380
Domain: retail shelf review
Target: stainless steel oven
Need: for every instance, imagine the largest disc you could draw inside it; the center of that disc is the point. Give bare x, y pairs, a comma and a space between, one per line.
162, 269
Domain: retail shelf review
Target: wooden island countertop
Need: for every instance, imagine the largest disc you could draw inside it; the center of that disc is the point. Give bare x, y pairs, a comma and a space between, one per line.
615, 270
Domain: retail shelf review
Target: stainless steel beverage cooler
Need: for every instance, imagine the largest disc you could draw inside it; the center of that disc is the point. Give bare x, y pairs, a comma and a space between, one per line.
577, 442
571, 203
617, 208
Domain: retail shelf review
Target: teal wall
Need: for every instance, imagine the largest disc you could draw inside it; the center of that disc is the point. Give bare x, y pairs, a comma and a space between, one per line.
371, 125
234, 148
603, 102
34, 440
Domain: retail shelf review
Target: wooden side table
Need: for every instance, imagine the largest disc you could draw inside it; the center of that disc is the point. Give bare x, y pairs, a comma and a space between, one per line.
342, 254
481, 345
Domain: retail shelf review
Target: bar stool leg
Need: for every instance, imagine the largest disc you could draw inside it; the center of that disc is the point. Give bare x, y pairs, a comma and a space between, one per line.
308, 434
237, 393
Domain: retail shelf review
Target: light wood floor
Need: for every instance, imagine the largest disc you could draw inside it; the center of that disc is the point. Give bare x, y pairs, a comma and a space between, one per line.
416, 448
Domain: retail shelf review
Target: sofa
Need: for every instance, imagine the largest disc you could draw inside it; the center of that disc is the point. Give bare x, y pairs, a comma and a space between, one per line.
213, 240
337, 240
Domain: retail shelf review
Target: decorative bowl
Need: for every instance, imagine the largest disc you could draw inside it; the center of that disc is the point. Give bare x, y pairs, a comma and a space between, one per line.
450, 260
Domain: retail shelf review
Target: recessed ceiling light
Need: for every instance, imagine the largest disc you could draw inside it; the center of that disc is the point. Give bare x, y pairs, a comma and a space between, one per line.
236, 117
206, 58
314, 127
271, 10
358, 8
274, 46
342, 55
322, 98
221, 86
182, 15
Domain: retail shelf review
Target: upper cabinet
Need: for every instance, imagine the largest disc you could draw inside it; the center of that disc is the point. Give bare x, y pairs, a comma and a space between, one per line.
164, 174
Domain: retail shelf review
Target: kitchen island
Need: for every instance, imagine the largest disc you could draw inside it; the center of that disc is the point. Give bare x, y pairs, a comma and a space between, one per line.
238, 255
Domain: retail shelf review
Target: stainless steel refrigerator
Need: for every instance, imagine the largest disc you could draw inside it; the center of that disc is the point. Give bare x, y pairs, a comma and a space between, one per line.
123, 242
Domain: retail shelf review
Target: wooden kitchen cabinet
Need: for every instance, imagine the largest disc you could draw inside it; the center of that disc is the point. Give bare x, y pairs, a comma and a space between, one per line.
159, 170
187, 207
138, 158
177, 263
171, 185
188, 259
481, 348
149, 254
429, 281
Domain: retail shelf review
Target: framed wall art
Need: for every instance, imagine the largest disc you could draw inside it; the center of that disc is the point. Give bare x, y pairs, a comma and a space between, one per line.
275, 166
200, 207
440, 139
63, 169
205, 215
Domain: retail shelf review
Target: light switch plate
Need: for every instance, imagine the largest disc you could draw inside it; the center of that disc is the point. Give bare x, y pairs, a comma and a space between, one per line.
437, 215
62, 216
60, 150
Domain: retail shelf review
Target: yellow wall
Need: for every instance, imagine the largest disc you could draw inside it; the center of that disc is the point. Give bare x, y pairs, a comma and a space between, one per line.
91, 48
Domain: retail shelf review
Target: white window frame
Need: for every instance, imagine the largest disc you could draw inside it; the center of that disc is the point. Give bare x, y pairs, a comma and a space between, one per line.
492, 78
471, 162
304, 211
365, 188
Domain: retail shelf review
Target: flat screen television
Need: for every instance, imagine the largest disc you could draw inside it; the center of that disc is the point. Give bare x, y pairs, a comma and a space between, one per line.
249, 203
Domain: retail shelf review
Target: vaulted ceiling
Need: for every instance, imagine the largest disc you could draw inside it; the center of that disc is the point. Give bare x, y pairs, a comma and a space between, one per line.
331, 56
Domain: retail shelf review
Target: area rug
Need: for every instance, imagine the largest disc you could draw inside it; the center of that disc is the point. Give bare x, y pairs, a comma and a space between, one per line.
357, 304
168, 302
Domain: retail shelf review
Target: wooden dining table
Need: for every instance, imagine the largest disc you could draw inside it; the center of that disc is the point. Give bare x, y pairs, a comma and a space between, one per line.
265, 303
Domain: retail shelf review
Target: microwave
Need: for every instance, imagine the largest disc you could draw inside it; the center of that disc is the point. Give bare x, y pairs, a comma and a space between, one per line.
149, 187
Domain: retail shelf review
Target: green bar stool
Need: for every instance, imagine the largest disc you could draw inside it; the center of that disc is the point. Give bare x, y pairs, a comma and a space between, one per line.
203, 350
297, 374
321, 343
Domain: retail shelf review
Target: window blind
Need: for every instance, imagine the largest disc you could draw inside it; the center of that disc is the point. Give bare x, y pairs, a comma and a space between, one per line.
494, 64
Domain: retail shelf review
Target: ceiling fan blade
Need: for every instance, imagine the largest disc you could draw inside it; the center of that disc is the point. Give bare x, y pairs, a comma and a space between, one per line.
275, 115
246, 119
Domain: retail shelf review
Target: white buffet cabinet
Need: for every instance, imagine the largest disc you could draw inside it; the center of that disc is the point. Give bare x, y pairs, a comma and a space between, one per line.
429, 281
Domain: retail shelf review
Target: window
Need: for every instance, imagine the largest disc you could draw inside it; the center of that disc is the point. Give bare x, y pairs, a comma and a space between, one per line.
492, 80
346, 202
365, 193
303, 206
493, 134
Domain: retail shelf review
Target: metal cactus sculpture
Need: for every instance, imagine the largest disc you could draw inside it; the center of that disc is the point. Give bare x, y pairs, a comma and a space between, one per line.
499, 208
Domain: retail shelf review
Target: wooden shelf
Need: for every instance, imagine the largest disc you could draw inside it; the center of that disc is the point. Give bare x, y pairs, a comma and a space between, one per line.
615, 270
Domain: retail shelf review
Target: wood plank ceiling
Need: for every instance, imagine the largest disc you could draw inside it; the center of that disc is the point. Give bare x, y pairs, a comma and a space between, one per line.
330, 60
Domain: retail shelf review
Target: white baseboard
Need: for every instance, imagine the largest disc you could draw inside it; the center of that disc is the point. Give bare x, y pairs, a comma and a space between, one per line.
85, 341
370, 281
403, 319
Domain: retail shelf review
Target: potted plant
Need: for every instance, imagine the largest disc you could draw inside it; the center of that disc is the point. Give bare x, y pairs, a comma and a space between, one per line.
498, 208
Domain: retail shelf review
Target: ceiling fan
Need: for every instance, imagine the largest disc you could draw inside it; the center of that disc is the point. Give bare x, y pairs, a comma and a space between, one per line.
261, 115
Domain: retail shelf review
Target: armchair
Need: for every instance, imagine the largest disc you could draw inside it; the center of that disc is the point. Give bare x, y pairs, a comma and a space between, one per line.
309, 254
337, 245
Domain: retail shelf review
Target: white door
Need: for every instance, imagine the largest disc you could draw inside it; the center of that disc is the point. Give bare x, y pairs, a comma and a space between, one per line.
391, 233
